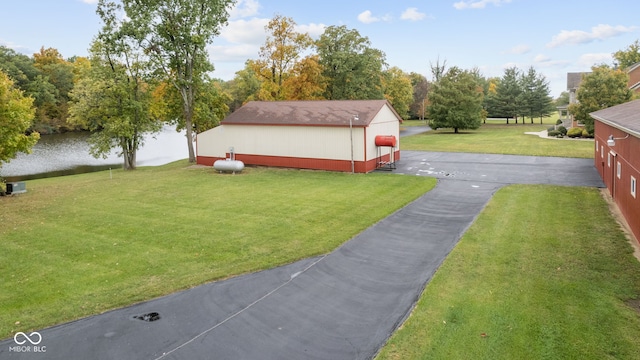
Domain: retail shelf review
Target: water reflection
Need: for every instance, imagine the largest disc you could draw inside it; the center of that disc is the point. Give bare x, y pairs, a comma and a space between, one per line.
64, 154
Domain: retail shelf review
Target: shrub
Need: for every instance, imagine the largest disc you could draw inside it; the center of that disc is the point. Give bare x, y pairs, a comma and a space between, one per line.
559, 122
585, 134
562, 129
554, 133
551, 128
574, 132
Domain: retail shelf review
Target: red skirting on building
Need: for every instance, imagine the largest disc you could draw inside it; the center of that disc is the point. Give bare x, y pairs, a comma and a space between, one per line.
302, 163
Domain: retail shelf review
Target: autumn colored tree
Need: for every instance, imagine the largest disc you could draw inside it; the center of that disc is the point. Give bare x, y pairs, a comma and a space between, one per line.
279, 55
455, 101
210, 107
602, 88
36, 84
16, 116
306, 81
420, 85
398, 90
59, 73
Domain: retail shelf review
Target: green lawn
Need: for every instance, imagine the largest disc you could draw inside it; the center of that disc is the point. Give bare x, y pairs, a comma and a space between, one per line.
79, 245
543, 273
499, 139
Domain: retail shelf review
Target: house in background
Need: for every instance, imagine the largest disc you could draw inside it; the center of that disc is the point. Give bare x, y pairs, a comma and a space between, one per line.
573, 83
634, 77
617, 157
338, 135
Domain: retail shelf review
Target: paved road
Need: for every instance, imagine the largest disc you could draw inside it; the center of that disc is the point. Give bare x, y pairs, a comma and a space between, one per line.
343, 305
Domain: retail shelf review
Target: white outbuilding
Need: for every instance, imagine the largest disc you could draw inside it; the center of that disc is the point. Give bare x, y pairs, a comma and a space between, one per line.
334, 135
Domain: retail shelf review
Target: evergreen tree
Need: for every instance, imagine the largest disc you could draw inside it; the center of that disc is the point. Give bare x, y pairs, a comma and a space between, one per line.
509, 98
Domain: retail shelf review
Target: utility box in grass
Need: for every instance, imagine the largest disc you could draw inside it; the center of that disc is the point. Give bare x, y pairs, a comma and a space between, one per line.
19, 187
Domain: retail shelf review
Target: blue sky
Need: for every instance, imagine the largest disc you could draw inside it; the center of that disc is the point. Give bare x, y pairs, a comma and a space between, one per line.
555, 37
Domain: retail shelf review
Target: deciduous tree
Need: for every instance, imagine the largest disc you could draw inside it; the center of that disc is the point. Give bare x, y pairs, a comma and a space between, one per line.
59, 73
602, 88
629, 56
455, 101
352, 67
175, 33
420, 85
306, 81
279, 55
398, 90
112, 99
211, 105
244, 86
16, 115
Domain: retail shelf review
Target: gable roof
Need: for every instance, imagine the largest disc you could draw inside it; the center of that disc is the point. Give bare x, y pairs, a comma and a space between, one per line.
309, 112
625, 117
633, 67
574, 79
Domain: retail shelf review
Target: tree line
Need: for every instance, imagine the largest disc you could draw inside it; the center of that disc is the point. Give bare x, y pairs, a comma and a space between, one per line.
149, 66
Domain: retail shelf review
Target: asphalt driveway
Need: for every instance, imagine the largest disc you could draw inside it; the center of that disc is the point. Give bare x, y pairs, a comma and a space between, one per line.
343, 305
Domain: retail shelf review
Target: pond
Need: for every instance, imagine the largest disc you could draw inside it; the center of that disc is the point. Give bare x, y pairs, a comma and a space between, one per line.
68, 153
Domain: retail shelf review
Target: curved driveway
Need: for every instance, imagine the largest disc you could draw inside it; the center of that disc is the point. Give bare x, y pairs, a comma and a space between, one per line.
343, 305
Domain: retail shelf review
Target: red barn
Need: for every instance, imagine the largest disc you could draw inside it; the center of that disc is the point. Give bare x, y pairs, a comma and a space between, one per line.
617, 157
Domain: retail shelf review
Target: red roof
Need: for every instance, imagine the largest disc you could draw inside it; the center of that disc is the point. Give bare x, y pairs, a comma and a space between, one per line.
311, 112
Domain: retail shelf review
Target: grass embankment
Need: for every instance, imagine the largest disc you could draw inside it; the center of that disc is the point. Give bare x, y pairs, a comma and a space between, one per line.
544, 273
499, 139
79, 245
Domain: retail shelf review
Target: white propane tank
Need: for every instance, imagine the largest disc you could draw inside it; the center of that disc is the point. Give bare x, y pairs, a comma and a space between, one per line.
230, 164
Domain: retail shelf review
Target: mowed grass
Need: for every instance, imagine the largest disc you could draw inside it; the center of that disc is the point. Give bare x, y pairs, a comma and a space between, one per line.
80, 245
544, 273
499, 139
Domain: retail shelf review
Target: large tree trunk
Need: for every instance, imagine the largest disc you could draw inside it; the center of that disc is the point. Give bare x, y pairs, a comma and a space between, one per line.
129, 147
188, 124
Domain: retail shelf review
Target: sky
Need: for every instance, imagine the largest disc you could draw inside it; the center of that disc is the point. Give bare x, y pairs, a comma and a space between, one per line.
555, 37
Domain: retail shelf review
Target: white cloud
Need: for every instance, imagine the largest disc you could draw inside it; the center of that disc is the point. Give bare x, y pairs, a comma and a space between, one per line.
243, 8
478, 4
245, 31
90, 1
367, 17
233, 53
15, 47
412, 14
600, 32
589, 60
314, 30
542, 60
519, 49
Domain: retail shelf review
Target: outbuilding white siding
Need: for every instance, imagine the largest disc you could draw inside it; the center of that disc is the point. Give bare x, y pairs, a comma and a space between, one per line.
289, 142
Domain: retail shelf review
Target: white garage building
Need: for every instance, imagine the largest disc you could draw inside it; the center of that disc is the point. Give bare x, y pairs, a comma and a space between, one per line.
313, 134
